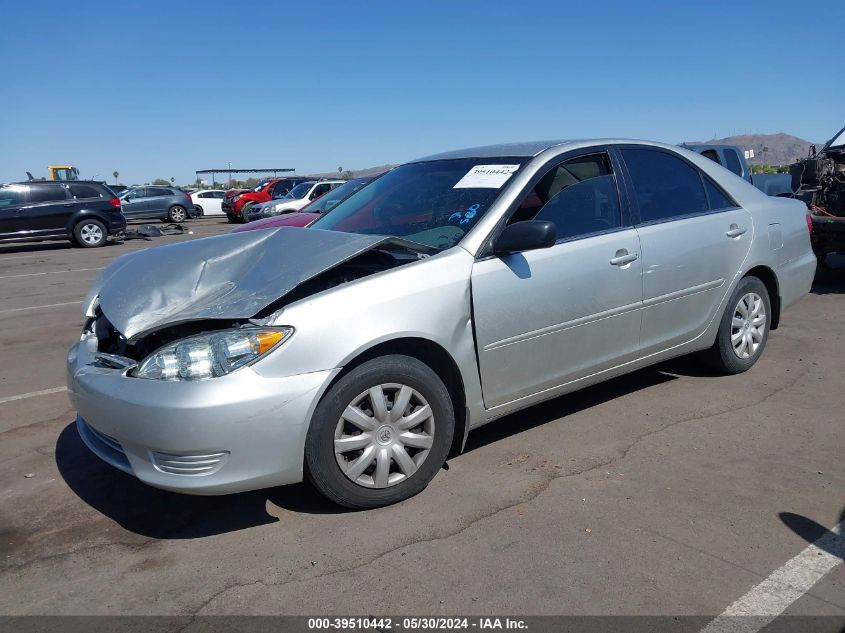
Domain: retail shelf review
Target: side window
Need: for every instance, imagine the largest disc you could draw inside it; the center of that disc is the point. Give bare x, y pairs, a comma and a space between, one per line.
219, 194
712, 154
46, 193
732, 162
665, 186
718, 200
579, 196
319, 190
11, 195
83, 191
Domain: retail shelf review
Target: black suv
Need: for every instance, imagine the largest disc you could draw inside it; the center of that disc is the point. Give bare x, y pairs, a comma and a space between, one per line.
85, 212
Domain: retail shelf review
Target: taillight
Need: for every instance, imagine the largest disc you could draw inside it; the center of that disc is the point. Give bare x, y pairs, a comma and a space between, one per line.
810, 224
115, 202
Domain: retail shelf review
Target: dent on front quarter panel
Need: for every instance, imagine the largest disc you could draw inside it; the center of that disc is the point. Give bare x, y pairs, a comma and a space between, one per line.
427, 299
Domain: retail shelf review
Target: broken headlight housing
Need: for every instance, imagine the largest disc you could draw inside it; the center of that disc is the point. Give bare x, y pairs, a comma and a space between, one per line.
211, 355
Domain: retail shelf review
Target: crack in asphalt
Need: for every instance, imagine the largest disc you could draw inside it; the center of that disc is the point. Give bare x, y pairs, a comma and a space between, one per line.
534, 492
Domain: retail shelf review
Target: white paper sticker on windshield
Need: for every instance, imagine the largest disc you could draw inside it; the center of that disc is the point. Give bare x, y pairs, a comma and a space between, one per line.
486, 177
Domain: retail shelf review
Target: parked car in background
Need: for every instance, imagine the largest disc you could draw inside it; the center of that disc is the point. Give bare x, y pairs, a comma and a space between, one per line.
168, 204
452, 291
309, 212
84, 212
297, 198
118, 189
730, 157
237, 201
208, 201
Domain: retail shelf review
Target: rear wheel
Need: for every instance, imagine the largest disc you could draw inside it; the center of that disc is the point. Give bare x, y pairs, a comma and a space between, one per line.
198, 210
380, 434
744, 329
90, 233
177, 214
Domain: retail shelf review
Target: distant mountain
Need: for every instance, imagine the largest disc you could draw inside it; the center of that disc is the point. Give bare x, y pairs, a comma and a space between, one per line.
774, 149
358, 172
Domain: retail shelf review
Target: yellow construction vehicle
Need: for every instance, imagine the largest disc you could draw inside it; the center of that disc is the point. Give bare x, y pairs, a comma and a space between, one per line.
63, 172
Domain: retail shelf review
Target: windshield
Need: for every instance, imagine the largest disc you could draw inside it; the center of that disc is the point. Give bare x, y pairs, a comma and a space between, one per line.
434, 203
300, 191
330, 200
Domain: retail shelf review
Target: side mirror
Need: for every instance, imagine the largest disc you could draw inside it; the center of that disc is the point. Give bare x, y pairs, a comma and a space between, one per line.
527, 235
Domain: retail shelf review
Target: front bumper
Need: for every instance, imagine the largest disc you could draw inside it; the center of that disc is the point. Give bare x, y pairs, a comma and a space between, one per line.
239, 432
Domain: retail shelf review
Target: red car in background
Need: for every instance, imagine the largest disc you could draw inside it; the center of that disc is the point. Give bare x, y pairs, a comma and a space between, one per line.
237, 201
310, 212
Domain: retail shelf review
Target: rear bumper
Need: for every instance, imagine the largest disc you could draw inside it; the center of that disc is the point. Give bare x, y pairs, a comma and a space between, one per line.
116, 223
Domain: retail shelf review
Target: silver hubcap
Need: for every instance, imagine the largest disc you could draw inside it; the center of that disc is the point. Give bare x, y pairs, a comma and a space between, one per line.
178, 215
748, 325
384, 435
91, 234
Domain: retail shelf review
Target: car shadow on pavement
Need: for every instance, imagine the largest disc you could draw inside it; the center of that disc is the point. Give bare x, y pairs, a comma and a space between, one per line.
813, 532
155, 513
566, 405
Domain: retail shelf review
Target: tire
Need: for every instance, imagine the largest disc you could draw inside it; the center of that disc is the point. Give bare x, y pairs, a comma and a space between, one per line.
231, 218
177, 214
396, 461
90, 233
244, 210
198, 210
748, 304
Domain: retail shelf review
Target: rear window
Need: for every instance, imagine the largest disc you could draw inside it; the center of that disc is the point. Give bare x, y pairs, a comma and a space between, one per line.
84, 191
46, 193
732, 162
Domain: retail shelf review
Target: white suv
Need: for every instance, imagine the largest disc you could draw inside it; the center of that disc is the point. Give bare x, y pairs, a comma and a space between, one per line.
301, 195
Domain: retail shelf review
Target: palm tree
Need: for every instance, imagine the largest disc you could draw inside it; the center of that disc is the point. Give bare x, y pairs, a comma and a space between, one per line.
115, 174
172, 180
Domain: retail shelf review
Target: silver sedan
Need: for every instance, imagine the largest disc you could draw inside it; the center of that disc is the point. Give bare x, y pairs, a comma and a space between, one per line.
447, 293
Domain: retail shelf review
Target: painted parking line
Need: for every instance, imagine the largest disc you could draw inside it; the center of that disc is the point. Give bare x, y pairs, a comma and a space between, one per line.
32, 394
49, 305
767, 600
52, 272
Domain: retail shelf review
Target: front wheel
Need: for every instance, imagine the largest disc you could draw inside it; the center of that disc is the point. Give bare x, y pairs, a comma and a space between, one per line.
176, 214
380, 434
744, 329
90, 233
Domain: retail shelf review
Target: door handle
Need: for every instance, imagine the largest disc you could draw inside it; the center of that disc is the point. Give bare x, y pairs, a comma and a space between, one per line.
735, 231
623, 257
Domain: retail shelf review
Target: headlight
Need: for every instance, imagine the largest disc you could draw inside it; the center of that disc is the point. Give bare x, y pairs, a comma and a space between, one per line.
211, 355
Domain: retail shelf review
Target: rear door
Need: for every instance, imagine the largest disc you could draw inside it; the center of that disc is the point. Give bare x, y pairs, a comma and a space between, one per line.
158, 200
548, 317
694, 239
48, 208
12, 200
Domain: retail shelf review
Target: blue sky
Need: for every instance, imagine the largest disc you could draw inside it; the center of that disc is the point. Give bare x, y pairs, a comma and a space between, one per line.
160, 89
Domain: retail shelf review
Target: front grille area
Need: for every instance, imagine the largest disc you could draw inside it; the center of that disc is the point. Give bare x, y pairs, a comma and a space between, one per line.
104, 446
200, 464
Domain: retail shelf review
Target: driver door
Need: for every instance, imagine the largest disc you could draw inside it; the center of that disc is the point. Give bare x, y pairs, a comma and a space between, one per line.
552, 316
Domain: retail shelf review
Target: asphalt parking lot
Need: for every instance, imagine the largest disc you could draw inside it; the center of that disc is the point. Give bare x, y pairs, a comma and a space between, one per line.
669, 491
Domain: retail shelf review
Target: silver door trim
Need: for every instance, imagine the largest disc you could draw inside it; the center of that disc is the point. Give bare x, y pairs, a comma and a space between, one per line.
566, 325
686, 292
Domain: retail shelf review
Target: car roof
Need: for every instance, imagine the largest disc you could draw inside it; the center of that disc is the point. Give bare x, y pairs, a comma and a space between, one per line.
527, 149
531, 149
58, 182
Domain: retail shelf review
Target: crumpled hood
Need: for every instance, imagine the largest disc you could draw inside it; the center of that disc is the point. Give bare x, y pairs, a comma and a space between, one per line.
231, 276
